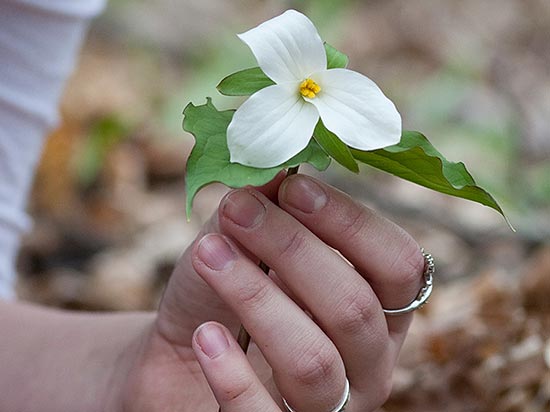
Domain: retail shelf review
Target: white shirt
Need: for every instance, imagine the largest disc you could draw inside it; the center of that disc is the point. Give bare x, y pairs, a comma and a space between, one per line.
39, 42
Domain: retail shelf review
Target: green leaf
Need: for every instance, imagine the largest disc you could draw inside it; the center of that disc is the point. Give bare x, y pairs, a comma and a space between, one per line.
334, 147
335, 58
244, 82
416, 160
249, 81
209, 159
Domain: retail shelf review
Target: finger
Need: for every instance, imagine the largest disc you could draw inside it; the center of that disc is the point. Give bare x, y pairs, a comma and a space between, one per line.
339, 299
385, 254
230, 376
307, 367
187, 295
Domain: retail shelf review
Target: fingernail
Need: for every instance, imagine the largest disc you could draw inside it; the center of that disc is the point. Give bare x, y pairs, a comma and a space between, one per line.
212, 340
243, 208
303, 194
214, 251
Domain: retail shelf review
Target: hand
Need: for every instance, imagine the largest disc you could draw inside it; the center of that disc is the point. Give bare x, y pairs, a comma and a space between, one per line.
315, 320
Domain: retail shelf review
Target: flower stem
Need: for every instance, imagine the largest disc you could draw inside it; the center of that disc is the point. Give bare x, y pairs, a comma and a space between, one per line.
243, 339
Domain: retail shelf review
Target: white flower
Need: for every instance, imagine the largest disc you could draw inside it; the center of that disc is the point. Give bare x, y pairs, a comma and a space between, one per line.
277, 122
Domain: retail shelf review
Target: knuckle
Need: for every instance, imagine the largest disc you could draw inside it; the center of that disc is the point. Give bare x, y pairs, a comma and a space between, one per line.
356, 311
354, 224
237, 391
254, 294
408, 266
316, 366
294, 245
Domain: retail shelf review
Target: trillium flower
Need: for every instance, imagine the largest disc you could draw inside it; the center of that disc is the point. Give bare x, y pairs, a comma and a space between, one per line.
277, 122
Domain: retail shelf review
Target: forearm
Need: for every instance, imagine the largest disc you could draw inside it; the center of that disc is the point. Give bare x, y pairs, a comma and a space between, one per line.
64, 361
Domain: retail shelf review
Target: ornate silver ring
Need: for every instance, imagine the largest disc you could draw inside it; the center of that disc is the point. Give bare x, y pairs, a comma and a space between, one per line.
425, 290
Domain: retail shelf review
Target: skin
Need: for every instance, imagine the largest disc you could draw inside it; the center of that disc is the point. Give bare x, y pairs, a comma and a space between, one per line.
315, 320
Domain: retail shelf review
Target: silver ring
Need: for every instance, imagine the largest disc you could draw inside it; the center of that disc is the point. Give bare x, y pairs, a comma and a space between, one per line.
425, 290
338, 408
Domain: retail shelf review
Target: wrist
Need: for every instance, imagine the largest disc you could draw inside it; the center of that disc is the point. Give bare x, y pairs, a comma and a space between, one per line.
116, 391
61, 361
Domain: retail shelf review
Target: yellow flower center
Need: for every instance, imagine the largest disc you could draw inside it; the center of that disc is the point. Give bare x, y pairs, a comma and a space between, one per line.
310, 89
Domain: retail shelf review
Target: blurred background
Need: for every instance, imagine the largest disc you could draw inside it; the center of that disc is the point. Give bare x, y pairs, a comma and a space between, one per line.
474, 76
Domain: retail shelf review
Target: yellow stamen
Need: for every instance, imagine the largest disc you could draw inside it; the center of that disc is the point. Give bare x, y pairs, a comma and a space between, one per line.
309, 89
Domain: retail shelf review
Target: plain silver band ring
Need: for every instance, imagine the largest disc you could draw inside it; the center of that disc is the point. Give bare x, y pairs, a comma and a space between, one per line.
338, 408
425, 290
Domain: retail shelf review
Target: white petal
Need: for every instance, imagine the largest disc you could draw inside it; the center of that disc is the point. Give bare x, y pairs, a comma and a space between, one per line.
354, 108
273, 125
287, 47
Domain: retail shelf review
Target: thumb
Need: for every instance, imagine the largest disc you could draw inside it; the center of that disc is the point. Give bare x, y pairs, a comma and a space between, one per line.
188, 301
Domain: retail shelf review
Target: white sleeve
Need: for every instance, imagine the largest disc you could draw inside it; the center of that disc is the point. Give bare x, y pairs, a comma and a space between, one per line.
39, 42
